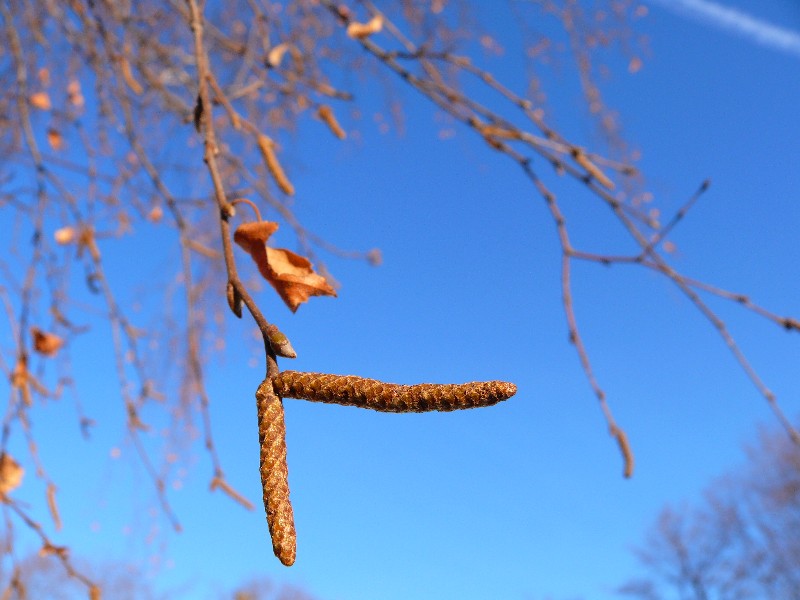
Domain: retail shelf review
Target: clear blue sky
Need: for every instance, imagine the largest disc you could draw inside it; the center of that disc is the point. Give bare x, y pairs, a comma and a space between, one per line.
524, 500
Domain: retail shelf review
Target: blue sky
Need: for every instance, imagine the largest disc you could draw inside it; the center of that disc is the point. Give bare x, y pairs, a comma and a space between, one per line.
523, 500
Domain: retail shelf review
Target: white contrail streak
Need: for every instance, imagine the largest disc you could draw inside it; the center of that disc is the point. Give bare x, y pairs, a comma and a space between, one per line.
736, 21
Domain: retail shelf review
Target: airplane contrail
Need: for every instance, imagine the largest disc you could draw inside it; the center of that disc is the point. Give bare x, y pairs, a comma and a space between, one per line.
736, 21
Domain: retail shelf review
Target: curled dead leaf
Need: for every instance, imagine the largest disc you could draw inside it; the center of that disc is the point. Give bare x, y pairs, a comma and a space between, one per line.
74, 93
55, 139
49, 549
635, 65
43, 75
156, 214
290, 274
11, 474
64, 236
40, 100
275, 55
360, 31
374, 257
46, 344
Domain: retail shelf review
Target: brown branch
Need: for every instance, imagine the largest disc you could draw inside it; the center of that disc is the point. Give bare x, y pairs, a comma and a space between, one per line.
676, 218
478, 117
271, 426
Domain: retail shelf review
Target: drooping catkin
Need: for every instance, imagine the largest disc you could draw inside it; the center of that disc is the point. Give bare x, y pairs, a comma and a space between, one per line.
389, 397
267, 147
625, 448
325, 113
275, 473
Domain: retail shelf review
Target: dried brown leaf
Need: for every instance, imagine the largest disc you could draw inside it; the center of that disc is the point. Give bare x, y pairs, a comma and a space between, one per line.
49, 549
41, 101
43, 75
275, 55
74, 93
375, 257
55, 139
46, 344
64, 236
290, 274
155, 214
11, 474
359, 31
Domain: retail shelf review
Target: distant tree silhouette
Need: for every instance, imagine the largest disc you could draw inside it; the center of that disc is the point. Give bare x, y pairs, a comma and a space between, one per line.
741, 541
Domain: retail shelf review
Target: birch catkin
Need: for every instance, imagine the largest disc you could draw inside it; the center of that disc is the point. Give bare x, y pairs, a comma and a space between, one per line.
275, 474
389, 397
267, 147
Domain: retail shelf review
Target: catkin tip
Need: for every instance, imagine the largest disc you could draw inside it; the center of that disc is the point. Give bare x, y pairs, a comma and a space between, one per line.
507, 389
286, 556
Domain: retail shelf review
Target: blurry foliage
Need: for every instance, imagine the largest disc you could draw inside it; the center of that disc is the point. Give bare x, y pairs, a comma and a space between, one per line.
121, 119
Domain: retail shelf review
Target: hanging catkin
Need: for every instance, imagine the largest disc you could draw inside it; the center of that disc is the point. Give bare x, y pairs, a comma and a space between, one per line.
275, 474
389, 397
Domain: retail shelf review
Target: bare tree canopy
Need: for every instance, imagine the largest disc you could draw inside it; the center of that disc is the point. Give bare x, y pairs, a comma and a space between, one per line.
741, 541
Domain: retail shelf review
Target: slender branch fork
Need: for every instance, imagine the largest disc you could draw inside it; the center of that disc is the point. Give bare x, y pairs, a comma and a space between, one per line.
504, 136
319, 387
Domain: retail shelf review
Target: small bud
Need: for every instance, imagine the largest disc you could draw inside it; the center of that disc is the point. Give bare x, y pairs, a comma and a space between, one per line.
234, 300
280, 343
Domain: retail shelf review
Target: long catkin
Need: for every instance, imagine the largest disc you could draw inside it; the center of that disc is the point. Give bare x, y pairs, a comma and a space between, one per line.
275, 473
389, 397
